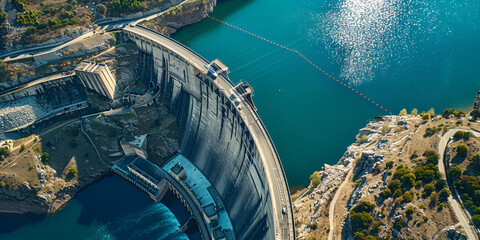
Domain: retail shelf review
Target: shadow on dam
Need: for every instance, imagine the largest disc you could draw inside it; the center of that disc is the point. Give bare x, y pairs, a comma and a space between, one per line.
214, 137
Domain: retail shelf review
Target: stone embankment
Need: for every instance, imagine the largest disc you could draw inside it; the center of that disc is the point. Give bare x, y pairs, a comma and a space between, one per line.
185, 14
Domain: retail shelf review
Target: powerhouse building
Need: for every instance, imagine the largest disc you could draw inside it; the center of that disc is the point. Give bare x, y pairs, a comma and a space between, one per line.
97, 76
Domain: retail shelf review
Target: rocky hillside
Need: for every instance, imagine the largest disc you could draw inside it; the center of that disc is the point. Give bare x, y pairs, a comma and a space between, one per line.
389, 184
188, 13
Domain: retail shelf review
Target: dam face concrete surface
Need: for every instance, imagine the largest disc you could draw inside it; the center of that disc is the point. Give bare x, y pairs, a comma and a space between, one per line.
216, 123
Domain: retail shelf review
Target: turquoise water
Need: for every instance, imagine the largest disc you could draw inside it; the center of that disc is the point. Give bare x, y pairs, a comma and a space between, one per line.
402, 54
110, 209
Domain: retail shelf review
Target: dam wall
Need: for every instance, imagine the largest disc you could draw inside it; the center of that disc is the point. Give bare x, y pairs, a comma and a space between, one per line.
213, 136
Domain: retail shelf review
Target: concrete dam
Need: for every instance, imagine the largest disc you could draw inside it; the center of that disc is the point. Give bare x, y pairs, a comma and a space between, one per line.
220, 133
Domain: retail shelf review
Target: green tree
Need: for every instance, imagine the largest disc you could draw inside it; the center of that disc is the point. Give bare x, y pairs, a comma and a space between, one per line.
403, 112
397, 193
431, 112
101, 9
462, 150
467, 136
386, 193
429, 188
425, 116
414, 112
458, 135
399, 223
475, 115
407, 197
448, 112
4, 152
443, 195
315, 178
440, 184
476, 220
360, 221
456, 172
364, 206
409, 212
389, 164
408, 180
394, 184
475, 159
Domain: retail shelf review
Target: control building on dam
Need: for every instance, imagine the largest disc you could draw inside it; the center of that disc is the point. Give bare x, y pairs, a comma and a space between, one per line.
220, 133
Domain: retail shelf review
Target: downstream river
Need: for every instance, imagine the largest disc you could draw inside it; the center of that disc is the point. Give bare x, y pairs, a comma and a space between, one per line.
400, 53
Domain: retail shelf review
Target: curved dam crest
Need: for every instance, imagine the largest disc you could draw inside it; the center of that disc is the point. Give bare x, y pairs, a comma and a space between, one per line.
215, 137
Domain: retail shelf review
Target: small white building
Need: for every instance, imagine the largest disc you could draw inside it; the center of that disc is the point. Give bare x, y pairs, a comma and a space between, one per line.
135, 145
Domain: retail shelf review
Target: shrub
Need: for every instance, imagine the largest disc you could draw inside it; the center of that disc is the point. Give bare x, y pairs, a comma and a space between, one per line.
448, 112
475, 115
462, 150
386, 193
429, 188
315, 178
397, 193
399, 223
360, 221
362, 139
409, 212
475, 159
408, 197
418, 184
45, 157
364, 206
403, 112
443, 195
389, 164
440, 184
414, 112
476, 220
4, 152
394, 184
432, 156
456, 172
459, 114
467, 136
414, 155
22, 147
101, 9
458, 135
30, 30
425, 116
429, 131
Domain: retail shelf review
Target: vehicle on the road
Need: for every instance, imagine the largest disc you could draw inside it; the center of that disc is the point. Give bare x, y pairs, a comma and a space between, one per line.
284, 210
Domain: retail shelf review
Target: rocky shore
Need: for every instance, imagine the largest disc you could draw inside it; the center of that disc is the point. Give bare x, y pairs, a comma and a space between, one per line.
364, 172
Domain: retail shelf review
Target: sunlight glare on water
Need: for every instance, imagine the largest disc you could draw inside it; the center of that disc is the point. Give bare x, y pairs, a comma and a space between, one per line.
364, 36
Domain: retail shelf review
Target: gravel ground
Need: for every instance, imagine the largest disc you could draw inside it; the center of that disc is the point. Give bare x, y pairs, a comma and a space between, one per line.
20, 112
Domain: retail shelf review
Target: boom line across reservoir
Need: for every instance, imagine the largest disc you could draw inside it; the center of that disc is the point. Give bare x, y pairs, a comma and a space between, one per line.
306, 59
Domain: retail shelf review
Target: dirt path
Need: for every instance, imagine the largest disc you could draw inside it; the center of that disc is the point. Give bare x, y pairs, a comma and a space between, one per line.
331, 212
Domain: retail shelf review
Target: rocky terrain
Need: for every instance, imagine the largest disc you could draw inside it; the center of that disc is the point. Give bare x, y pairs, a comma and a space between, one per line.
388, 150
17, 113
188, 13
43, 172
